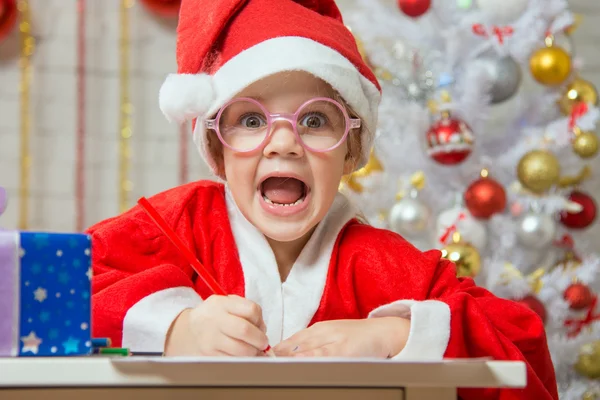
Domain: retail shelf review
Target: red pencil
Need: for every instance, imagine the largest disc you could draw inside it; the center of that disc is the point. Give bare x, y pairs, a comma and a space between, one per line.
187, 253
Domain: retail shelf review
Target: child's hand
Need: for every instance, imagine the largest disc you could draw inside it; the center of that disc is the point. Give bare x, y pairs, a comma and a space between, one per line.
376, 337
220, 326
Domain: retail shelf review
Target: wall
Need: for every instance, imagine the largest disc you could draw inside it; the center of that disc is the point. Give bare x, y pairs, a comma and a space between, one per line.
155, 143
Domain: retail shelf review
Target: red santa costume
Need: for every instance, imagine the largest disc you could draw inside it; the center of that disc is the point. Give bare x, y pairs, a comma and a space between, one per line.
347, 270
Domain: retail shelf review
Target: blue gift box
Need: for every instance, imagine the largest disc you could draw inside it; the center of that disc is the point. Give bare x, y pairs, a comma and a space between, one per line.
45, 306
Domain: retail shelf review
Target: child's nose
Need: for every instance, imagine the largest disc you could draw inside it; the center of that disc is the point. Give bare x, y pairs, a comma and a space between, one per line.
283, 141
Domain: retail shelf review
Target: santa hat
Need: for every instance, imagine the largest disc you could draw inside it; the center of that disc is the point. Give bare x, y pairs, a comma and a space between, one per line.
223, 46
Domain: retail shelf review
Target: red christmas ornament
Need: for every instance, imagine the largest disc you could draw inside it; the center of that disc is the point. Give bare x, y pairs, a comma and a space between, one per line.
583, 218
164, 8
485, 197
535, 305
8, 17
449, 141
414, 8
579, 296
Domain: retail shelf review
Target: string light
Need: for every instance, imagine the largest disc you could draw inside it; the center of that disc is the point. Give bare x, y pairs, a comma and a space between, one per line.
27, 49
126, 110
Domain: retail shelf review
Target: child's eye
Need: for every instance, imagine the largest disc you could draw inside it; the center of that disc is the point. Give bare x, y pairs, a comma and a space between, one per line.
253, 121
313, 120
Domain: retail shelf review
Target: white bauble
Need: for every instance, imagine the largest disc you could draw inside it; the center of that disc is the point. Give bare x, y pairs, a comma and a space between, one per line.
503, 12
409, 217
536, 230
471, 230
378, 221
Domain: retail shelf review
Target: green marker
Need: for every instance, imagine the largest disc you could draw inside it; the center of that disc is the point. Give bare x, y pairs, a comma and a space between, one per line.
113, 351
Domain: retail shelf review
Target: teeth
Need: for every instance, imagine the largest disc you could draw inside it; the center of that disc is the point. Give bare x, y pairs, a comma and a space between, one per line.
300, 200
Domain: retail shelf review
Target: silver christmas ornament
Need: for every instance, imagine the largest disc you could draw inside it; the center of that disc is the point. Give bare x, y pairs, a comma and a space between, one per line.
506, 76
409, 217
414, 73
536, 230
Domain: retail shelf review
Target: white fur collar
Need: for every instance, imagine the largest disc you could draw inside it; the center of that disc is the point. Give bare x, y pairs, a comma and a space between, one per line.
288, 307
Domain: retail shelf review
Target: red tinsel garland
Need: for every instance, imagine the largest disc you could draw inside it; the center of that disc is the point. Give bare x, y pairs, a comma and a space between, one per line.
8, 17
577, 324
163, 8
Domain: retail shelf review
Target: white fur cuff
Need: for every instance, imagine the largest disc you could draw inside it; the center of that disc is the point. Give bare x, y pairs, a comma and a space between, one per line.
147, 323
429, 327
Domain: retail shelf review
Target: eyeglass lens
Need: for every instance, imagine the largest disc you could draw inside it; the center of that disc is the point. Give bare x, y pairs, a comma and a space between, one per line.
243, 125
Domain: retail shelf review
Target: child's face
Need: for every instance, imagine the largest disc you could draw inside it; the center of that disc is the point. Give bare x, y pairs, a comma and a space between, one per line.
282, 188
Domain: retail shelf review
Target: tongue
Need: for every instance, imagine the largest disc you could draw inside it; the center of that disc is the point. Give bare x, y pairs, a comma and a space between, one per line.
283, 190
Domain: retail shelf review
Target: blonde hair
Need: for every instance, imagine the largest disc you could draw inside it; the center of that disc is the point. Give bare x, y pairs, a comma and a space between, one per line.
353, 141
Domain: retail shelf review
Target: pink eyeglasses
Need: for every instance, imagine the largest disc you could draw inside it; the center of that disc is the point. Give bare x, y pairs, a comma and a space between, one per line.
320, 125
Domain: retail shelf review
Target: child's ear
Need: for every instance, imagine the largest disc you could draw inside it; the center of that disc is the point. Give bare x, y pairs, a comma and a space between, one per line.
352, 155
349, 164
221, 168
215, 149
220, 163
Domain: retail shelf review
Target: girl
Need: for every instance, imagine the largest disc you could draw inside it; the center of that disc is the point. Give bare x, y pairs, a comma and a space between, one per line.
284, 106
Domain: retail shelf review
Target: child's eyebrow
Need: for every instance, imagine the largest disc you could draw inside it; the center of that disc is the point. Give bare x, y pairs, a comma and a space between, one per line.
258, 98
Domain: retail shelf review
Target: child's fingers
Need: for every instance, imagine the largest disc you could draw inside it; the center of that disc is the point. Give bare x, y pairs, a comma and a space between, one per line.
284, 348
330, 350
213, 353
288, 346
294, 346
303, 335
241, 329
236, 348
245, 308
263, 326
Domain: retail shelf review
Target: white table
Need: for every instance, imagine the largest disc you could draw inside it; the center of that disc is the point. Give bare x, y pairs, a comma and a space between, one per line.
133, 378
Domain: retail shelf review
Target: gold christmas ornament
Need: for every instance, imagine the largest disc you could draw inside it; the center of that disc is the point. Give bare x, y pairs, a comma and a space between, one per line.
550, 65
577, 19
534, 279
575, 180
588, 361
125, 107
352, 181
569, 263
585, 144
464, 256
538, 171
589, 395
363, 52
373, 165
361, 48
577, 91
28, 46
417, 181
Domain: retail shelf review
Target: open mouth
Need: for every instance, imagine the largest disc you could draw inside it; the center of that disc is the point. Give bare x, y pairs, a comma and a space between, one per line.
284, 191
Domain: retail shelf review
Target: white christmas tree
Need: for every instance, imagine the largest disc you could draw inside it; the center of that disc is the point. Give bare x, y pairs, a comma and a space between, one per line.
485, 150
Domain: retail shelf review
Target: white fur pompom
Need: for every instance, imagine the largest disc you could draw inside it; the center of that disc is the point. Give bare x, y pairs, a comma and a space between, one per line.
184, 97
